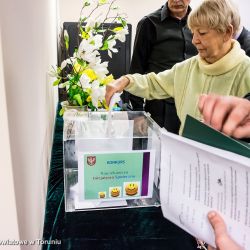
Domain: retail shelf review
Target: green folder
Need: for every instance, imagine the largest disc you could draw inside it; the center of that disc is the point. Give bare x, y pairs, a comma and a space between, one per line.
198, 131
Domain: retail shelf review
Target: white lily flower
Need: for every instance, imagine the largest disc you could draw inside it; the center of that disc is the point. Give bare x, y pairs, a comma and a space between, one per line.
101, 69
65, 34
85, 46
62, 85
102, 93
111, 44
67, 61
92, 57
121, 34
97, 41
97, 93
63, 64
95, 84
92, 22
91, 44
85, 81
52, 73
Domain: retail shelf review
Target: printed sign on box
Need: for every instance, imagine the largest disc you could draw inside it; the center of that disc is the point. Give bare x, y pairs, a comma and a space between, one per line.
119, 175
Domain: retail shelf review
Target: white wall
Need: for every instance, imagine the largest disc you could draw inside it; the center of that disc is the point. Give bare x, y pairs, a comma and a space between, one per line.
29, 48
8, 212
136, 9
244, 6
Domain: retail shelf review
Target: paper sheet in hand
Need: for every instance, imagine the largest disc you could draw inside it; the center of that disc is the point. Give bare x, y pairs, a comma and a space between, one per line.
92, 135
195, 179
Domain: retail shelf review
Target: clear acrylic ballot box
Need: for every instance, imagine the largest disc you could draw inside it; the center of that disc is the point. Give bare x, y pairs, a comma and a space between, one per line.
111, 160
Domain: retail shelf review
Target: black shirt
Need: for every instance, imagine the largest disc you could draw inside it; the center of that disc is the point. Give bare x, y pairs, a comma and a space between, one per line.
244, 40
161, 41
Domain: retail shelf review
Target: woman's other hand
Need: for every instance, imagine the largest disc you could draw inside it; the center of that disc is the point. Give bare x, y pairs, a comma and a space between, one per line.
228, 114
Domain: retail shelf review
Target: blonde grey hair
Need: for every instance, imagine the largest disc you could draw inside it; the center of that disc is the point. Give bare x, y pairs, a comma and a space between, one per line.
215, 14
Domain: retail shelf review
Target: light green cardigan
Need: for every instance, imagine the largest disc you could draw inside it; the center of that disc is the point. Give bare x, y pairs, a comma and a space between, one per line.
187, 80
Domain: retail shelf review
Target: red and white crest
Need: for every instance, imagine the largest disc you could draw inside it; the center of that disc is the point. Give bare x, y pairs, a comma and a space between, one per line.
91, 160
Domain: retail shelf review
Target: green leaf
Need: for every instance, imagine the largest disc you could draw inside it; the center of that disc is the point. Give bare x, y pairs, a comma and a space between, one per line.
105, 45
66, 45
61, 112
117, 28
91, 106
58, 70
75, 50
87, 29
78, 98
56, 82
123, 21
81, 29
82, 20
66, 41
82, 62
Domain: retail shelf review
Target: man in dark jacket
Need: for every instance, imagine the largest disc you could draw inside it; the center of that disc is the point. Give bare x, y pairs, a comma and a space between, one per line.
162, 40
243, 37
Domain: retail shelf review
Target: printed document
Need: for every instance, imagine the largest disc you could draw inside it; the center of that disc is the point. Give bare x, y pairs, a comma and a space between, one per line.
197, 178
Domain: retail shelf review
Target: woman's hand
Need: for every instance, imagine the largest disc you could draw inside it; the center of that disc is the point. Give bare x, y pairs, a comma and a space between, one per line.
228, 114
140, 126
115, 86
222, 240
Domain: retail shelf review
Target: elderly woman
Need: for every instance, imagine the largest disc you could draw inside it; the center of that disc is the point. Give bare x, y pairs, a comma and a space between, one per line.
221, 66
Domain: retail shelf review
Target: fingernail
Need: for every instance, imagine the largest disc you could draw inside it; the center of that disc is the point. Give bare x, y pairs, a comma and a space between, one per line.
211, 214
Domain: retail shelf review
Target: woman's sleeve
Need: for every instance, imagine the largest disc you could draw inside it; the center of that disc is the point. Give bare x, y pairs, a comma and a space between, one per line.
151, 85
244, 84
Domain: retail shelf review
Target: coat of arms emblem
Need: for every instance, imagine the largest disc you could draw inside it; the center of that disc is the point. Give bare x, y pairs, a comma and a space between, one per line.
91, 160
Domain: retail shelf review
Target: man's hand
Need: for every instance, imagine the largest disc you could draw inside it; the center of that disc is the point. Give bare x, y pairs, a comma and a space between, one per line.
222, 240
228, 114
116, 86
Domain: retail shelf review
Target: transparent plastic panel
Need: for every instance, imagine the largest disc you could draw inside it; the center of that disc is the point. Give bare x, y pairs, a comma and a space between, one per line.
91, 138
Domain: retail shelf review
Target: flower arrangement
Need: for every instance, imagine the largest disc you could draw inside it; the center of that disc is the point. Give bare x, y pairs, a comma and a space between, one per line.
84, 75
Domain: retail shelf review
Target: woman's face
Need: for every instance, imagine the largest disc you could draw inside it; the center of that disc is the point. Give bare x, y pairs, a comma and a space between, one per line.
211, 44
